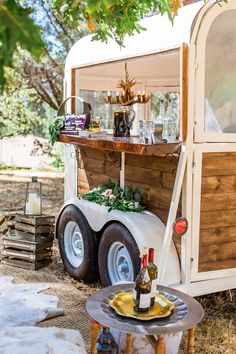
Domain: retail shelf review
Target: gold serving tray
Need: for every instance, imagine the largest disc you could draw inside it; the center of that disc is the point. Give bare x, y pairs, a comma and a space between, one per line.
123, 304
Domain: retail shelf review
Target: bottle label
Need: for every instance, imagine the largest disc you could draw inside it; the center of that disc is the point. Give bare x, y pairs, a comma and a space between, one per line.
144, 300
154, 287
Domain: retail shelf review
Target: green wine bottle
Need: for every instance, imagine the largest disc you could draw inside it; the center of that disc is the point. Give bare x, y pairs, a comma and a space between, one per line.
106, 343
142, 288
153, 272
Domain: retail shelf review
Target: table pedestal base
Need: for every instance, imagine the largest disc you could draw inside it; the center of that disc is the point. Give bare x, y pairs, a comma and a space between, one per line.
159, 343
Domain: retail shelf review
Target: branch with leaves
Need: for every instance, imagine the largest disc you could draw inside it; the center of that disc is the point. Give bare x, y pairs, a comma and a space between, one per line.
115, 198
16, 27
114, 18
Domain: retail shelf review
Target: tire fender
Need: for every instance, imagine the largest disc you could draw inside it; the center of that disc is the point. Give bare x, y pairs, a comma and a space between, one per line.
146, 228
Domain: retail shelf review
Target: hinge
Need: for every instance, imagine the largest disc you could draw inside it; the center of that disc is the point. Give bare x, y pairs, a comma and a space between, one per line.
191, 262
193, 167
195, 65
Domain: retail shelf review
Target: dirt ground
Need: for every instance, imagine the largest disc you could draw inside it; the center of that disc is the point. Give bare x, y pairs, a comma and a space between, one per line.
215, 335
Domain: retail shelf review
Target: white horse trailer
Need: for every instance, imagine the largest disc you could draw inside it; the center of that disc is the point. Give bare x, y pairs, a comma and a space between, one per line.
195, 177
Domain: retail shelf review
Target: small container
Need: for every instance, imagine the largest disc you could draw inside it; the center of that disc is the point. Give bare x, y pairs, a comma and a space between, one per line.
33, 198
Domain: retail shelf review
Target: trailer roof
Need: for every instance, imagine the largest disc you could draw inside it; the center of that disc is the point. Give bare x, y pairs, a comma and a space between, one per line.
159, 36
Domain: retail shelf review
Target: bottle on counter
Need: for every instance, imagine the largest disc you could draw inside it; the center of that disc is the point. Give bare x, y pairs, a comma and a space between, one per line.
165, 131
142, 288
153, 272
106, 343
171, 117
159, 122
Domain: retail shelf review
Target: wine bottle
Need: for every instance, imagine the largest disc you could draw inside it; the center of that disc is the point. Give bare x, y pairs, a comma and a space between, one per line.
142, 288
152, 271
106, 343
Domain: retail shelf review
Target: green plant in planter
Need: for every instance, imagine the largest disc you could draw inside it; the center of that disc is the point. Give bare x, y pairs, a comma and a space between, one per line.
115, 198
55, 129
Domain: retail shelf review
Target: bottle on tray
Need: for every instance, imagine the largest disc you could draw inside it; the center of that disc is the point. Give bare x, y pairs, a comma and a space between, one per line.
142, 288
153, 272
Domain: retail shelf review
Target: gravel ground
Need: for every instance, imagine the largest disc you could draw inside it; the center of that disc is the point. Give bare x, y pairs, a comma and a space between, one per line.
215, 335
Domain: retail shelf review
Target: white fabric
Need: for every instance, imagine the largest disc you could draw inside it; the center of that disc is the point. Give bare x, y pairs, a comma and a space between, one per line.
141, 344
35, 340
22, 304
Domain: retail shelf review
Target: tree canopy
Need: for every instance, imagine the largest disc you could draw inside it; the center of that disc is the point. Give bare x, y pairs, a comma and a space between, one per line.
113, 18
16, 27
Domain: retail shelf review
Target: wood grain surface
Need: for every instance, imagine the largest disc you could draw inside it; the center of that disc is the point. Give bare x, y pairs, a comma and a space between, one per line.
217, 249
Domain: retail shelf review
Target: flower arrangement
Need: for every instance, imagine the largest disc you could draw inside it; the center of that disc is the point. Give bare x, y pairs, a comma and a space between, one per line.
116, 198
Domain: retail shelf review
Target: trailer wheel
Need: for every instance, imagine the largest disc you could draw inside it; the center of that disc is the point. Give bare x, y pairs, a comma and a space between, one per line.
78, 245
118, 255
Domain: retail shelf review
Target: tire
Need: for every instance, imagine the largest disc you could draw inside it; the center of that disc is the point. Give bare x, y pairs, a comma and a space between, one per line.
118, 255
78, 245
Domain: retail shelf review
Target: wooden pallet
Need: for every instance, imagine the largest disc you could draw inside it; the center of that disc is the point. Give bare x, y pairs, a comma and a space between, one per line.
13, 242
29, 256
28, 242
26, 265
35, 220
16, 234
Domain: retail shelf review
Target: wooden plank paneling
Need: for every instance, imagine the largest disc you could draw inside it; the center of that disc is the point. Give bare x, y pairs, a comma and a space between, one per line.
217, 265
213, 202
215, 252
217, 247
154, 177
218, 235
218, 184
219, 218
219, 164
164, 164
154, 174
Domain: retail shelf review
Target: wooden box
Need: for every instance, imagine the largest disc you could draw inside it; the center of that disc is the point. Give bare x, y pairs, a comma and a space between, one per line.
29, 243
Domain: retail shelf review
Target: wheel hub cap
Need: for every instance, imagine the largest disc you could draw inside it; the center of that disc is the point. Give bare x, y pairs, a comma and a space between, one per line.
119, 263
74, 245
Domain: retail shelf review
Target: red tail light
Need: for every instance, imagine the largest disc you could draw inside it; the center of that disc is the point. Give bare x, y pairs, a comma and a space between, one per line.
180, 226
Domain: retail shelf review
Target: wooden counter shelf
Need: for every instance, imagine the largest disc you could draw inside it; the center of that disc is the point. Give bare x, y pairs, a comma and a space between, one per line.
129, 145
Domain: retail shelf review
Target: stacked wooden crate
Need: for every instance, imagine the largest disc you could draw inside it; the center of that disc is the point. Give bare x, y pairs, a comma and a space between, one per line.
29, 244
7, 223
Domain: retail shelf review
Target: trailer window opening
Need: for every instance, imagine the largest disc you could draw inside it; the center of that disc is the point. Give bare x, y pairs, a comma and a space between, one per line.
99, 109
220, 75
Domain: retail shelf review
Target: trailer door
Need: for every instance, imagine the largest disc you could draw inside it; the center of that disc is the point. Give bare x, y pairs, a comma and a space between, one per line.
214, 211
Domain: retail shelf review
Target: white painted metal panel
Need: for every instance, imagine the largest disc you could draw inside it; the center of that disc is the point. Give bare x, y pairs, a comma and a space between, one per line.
84, 52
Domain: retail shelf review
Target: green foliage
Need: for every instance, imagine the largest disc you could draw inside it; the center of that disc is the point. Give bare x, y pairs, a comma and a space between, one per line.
16, 27
55, 129
112, 196
20, 108
111, 18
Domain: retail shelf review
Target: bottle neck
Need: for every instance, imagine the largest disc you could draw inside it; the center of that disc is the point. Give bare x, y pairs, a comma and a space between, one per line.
162, 108
151, 255
106, 330
144, 261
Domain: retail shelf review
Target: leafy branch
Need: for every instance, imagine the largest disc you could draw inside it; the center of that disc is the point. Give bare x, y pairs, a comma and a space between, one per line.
55, 129
113, 18
115, 198
16, 27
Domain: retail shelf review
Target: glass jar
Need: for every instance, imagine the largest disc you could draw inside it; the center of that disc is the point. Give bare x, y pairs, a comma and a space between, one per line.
33, 198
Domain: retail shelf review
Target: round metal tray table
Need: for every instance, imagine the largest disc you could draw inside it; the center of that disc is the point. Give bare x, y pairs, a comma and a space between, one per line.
186, 314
